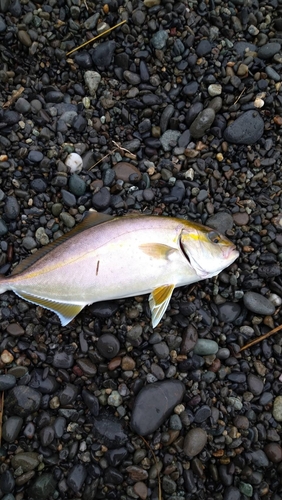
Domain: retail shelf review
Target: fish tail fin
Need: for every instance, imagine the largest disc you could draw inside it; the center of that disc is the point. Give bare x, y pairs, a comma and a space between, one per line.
3, 284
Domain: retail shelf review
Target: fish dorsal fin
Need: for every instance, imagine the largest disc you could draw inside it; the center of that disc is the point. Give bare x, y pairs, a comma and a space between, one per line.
158, 301
66, 312
91, 219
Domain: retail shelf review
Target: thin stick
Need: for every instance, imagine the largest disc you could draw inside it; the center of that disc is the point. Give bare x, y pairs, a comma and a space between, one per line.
13, 98
96, 37
128, 154
1, 415
259, 339
240, 95
156, 463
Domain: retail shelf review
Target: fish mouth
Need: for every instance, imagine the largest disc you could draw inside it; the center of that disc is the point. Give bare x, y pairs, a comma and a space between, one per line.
231, 253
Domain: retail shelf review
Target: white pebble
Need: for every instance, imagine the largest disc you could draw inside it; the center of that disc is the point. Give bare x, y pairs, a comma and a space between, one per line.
74, 163
275, 299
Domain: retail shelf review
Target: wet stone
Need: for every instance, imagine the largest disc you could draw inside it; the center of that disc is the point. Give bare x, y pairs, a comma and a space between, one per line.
91, 402
258, 304
7, 382
7, 483
154, 404
246, 129
47, 435
108, 345
273, 452
27, 460
76, 477
108, 430
228, 312
241, 218
194, 442
104, 309
63, 359
102, 54
11, 428
159, 39
42, 487
268, 50
68, 395
204, 47
169, 139
202, 123
11, 208
101, 199
161, 350
232, 493
22, 401
259, 458
84, 60
277, 409
131, 78
88, 368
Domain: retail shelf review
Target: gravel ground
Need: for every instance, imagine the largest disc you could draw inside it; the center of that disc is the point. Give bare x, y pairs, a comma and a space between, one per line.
178, 111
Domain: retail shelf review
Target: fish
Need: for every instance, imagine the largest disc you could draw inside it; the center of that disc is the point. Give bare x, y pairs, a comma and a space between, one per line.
106, 257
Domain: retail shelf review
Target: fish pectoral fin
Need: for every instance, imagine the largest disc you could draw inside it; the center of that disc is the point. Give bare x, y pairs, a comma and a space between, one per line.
158, 301
66, 312
157, 250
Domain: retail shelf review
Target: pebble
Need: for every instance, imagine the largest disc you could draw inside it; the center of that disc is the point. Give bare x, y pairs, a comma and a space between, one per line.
92, 81
127, 172
277, 408
27, 460
273, 452
76, 477
268, 50
205, 347
74, 163
7, 382
154, 404
258, 304
228, 312
255, 384
103, 53
159, 39
222, 222
195, 441
22, 401
246, 129
108, 345
108, 430
169, 139
11, 428
202, 123
42, 487
11, 208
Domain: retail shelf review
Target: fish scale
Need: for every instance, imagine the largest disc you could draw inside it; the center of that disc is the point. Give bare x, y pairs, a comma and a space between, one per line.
108, 257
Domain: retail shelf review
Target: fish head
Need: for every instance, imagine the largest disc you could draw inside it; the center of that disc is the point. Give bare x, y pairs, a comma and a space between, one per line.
207, 251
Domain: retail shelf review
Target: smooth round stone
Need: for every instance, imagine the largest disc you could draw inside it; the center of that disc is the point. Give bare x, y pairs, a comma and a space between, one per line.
74, 162
59, 426
45, 384
68, 198
43, 487
11, 428
248, 128
22, 401
27, 460
204, 47
205, 347
22, 105
268, 50
228, 312
232, 493
161, 350
166, 116
92, 80
3, 228
7, 382
124, 170
47, 435
169, 139
131, 78
35, 156
194, 442
259, 458
246, 489
138, 17
255, 384
67, 219
154, 404
102, 54
104, 309
77, 185
241, 218
241, 422
273, 452
63, 359
83, 59
24, 38
214, 89
39, 185
159, 39
108, 430
79, 124
11, 207
202, 123
277, 409
7, 483
108, 345
258, 304
101, 199
202, 414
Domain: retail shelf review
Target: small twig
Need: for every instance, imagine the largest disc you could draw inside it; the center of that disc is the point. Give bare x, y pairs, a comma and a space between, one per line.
117, 146
86, 6
13, 98
259, 339
96, 37
244, 89
156, 463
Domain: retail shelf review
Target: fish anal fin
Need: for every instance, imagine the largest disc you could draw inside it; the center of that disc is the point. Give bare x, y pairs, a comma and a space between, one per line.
66, 312
157, 250
158, 301
91, 219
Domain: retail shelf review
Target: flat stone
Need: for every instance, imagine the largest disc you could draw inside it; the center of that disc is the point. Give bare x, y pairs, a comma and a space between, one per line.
258, 304
102, 54
205, 347
11, 428
221, 221
194, 442
43, 486
7, 382
22, 401
124, 170
169, 139
92, 80
154, 404
109, 431
248, 128
268, 50
228, 312
76, 477
202, 123
27, 460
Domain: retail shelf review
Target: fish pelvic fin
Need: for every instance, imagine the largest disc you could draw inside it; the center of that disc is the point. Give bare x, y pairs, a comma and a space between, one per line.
66, 312
157, 250
158, 301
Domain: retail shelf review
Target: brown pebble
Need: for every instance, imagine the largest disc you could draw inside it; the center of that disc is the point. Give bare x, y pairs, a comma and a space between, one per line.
273, 451
241, 218
242, 70
7, 357
136, 473
141, 490
124, 170
15, 329
127, 363
241, 422
24, 38
114, 363
24, 478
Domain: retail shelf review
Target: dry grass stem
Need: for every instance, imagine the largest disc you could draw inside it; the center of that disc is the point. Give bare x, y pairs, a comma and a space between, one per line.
259, 339
128, 154
1, 415
239, 97
156, 463
96, 37
13, 98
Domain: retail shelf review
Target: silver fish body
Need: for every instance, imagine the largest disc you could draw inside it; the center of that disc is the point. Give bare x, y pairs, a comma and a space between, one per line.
110, 258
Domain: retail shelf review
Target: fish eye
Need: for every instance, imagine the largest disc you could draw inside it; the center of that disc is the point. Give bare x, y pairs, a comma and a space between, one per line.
214, 237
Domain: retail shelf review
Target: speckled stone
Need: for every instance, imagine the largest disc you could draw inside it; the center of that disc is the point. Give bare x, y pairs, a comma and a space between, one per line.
194, 442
